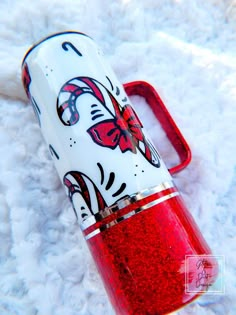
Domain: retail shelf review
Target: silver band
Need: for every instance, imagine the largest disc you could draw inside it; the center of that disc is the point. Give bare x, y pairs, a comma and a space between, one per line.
131, 213
126, 201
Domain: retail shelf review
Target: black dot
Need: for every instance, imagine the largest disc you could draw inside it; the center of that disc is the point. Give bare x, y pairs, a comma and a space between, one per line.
136, 165
142, 171
70, 138
135, 174
51, 70
74, 141
70, 145
117, 91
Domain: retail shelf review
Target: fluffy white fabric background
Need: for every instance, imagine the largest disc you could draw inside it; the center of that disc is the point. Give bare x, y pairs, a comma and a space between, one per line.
186, 49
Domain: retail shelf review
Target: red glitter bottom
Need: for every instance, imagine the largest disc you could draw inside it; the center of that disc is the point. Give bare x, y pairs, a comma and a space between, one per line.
142, 260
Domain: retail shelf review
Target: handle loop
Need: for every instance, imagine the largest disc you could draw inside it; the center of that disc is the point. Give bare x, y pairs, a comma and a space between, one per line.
173, 133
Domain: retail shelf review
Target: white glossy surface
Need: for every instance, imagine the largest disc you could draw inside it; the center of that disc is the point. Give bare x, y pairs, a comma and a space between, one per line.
52, 70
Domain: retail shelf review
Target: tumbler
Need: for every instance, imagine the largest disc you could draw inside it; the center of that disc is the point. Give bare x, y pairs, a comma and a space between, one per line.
136, 224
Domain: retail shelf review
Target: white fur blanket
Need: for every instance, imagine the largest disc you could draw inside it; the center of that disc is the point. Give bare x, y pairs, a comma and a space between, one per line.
186, 49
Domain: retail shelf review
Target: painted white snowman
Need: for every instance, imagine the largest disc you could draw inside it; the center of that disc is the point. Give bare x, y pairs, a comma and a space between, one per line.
99, 145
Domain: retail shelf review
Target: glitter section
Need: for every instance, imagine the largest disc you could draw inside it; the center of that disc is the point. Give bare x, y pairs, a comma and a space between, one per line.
142, 259
131, 213
146, 195
102, 221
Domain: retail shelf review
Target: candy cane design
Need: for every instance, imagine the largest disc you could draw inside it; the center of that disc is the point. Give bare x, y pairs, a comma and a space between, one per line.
26, 79
83, 194
123, 129
26, 82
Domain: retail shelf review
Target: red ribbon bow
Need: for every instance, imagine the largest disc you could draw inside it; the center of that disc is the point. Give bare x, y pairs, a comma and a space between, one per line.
124, 130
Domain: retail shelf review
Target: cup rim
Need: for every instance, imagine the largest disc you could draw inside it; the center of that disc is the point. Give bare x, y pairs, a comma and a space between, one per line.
46, 38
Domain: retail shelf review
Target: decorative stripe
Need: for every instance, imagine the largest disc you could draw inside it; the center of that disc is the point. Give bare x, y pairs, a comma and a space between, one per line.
102, 172
124, 202
120, 190
53, 152
110, 83
110, 181
131, 213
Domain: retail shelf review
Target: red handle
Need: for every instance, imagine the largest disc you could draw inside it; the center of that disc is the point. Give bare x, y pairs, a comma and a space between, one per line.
173, 133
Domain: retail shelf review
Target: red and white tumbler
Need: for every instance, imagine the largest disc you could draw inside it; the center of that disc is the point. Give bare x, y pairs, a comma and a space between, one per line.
135, 222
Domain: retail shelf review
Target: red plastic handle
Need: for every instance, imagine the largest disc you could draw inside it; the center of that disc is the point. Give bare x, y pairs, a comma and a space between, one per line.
173, 133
